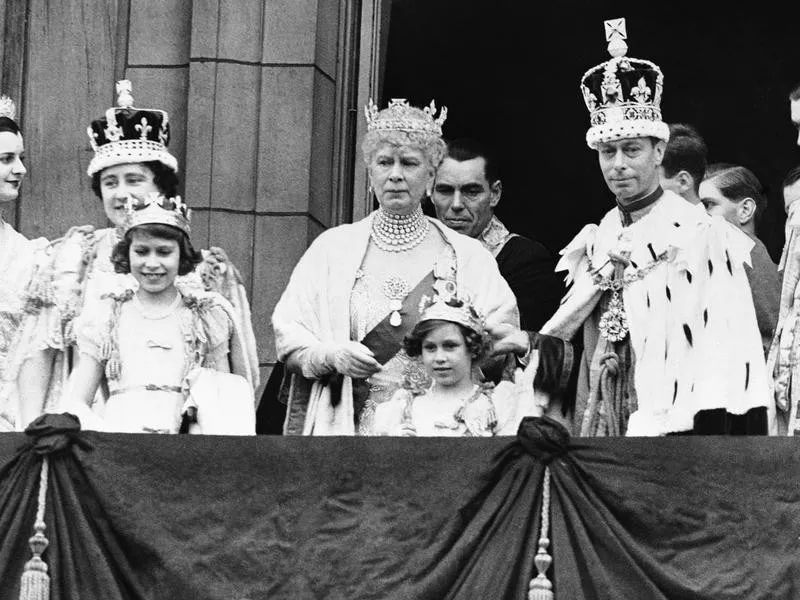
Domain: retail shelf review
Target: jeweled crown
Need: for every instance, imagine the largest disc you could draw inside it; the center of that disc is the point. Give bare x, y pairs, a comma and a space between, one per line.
155, 208
129, 135
623, 94
401, 116
446, 305
7, 108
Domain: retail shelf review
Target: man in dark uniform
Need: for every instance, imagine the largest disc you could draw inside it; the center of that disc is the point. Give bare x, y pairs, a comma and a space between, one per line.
466, 191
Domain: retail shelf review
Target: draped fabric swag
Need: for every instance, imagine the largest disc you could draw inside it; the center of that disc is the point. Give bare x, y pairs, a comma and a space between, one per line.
145, 516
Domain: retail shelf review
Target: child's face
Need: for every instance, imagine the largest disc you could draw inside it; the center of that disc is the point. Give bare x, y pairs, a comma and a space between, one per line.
154, 262
445, 355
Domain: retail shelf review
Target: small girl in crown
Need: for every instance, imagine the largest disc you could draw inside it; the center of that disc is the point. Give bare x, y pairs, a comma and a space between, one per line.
450, 339
157, 347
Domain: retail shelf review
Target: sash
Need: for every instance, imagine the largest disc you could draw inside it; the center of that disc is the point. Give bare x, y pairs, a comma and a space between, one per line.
385, 340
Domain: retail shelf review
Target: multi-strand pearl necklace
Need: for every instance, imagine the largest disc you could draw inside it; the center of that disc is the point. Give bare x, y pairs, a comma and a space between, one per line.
399, 233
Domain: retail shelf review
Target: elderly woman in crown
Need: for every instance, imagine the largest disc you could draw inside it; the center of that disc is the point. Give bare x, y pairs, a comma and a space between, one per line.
131, 160
354, 294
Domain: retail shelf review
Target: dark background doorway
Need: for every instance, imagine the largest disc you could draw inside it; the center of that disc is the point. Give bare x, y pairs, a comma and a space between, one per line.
509, 72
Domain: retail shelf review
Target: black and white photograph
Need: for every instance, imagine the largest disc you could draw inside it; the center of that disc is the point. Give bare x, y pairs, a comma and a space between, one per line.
428, 300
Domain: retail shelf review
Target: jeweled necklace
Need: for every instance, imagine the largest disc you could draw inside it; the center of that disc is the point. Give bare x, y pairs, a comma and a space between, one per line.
399, 233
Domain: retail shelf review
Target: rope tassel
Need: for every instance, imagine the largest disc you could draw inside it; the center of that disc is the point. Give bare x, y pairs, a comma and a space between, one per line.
35, 584
541, 588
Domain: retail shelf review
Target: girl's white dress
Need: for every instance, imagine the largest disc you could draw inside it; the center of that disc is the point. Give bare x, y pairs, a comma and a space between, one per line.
486, 411
150, 357
78, 275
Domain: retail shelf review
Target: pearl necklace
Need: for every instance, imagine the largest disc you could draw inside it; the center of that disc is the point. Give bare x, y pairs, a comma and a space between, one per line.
399, 233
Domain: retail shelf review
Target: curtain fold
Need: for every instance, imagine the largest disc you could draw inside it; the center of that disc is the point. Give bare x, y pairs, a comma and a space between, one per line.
18, 488
211, 517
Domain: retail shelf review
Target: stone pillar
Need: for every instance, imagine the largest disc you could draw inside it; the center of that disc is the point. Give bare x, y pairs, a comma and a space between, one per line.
72, 48
260, 135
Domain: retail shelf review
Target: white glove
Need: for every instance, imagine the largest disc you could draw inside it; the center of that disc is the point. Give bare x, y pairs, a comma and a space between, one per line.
349, 358
353, 359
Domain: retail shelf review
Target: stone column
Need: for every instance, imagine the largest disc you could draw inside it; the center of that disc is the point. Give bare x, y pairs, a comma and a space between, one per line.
252, 87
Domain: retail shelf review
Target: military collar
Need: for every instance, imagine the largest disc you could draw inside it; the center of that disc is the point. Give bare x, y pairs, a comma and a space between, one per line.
494, 236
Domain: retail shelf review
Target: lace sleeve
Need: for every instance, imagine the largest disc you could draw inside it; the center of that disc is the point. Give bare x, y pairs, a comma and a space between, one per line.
213, 328
218, 274
93, 331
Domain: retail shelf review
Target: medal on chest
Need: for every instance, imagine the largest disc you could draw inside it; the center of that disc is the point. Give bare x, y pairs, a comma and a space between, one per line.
613, 324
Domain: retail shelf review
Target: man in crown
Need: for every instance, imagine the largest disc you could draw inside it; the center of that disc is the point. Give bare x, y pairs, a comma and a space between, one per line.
131, 160
658, 288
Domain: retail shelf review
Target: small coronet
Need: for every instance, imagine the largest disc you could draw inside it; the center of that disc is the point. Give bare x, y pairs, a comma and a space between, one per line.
446, 305
401, 116
154, 208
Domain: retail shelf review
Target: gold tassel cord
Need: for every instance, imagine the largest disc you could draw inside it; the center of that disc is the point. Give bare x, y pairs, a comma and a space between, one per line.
541, 588
35, 584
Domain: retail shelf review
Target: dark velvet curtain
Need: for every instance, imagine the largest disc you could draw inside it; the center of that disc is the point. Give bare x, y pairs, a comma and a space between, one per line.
148, 516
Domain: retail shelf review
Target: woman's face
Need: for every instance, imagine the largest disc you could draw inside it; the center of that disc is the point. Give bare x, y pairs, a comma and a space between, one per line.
120, 182
446, 356
400, 176
154, 262
11, 168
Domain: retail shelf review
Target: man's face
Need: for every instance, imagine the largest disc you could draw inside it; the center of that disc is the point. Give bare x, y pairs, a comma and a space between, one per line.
716, 203
791, 194
630, 166
794, 106
463, 198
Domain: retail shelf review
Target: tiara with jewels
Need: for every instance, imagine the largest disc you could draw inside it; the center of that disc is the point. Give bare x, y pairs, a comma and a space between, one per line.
446, 305
623, 94
7, 107
125, 134
401, 116
155, 208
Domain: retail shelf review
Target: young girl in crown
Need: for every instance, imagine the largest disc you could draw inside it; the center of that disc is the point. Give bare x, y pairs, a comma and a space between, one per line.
450, 339
131, 160
157, 347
